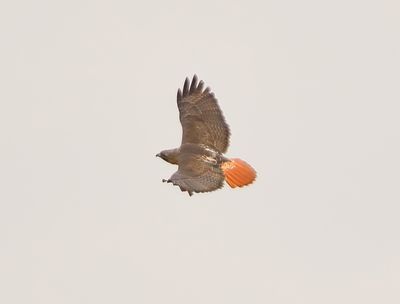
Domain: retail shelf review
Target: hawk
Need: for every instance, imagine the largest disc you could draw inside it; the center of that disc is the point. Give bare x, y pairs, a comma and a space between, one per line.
202, 166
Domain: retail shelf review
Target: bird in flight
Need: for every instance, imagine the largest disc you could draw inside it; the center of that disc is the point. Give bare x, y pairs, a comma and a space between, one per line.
202, 166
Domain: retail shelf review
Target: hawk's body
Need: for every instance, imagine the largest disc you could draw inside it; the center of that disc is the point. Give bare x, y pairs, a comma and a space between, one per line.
205, 137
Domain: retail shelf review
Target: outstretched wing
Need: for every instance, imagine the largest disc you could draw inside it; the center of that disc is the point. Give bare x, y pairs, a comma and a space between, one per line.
197, 173
201, 118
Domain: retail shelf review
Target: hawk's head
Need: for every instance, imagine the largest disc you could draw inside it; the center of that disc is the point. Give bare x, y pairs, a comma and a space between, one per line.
170, 156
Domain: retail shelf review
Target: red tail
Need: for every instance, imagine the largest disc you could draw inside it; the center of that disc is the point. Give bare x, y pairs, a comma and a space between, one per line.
238, 173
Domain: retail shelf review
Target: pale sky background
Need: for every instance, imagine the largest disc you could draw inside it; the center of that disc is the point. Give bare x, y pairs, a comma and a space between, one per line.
311, 92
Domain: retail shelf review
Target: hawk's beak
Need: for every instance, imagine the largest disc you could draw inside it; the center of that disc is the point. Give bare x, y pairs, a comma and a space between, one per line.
158, 155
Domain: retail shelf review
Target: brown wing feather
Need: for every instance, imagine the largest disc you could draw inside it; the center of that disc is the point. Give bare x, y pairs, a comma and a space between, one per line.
201, 118
197, 172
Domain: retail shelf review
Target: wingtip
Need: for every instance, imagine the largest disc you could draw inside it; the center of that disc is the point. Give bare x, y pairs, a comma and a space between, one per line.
179, 95
193, 85
186, 86
190, 86
200, 86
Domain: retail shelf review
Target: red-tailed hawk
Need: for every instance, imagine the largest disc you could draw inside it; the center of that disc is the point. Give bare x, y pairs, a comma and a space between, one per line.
202, 167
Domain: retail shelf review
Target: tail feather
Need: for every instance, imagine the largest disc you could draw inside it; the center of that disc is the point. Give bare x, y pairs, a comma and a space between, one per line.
233, 180
238, 173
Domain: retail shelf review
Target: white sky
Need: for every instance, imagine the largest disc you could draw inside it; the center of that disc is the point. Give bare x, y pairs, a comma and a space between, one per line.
311, 92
